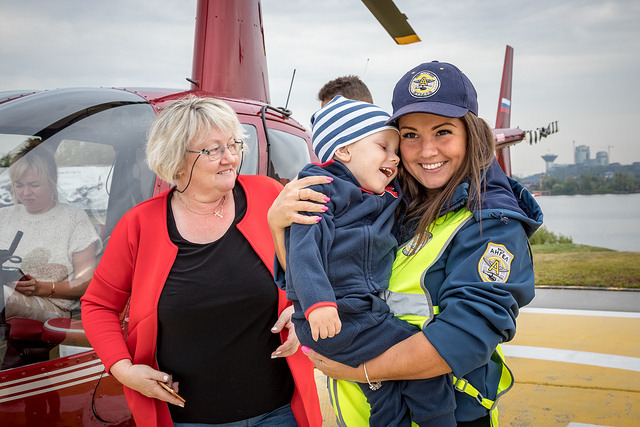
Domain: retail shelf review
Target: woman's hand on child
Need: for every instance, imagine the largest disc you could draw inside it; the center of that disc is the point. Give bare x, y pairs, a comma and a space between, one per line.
324, 322
294, 198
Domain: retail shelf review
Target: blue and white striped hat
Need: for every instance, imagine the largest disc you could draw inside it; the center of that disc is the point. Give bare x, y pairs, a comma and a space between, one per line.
342, 122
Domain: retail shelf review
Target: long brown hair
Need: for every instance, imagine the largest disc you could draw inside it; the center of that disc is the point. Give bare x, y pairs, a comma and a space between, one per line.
479, 155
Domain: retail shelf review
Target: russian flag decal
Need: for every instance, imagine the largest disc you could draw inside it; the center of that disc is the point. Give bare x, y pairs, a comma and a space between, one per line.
505, 105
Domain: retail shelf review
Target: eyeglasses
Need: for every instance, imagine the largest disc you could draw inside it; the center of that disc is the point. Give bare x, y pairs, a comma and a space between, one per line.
215, 153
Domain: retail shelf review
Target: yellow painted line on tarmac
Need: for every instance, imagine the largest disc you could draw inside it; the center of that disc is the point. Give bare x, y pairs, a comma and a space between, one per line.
573, 368
597, 332
564, 374
535, 405
559, 393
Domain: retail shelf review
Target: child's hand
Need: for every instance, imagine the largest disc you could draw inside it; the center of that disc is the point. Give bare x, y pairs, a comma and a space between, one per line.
324, 322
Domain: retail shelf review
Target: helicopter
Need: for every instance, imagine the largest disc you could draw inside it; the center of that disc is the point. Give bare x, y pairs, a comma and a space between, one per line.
49, 373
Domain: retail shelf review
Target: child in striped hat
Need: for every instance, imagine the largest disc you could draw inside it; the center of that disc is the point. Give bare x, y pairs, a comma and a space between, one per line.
337, 267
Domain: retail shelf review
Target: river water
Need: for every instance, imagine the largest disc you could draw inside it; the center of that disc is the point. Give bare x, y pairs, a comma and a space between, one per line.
608, 220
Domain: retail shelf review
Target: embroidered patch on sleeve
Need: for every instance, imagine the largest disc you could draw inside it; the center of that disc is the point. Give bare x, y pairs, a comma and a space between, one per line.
495, 264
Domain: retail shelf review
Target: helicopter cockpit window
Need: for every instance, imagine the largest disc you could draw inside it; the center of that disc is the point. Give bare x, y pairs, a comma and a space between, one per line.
249, 164
287, 153
60, 197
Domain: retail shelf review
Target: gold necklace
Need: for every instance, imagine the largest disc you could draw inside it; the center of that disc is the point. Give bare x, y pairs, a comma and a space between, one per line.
217, 212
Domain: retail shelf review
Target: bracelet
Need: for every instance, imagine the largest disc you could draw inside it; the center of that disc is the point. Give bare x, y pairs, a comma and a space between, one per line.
373, 386
53, 289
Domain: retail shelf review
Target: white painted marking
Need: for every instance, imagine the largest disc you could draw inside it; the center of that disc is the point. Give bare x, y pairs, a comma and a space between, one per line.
593, 313
585, 425
571, 356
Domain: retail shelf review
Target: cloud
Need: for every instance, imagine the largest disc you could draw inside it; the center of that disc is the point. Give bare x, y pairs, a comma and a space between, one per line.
76, 43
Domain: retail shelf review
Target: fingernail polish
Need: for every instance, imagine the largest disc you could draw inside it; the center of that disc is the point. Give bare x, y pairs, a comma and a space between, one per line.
165, 378
305, 349
326, 199
324, 208
329, 178
274, 329
318, 218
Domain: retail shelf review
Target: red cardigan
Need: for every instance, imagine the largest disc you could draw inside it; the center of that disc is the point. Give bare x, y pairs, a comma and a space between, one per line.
136, 264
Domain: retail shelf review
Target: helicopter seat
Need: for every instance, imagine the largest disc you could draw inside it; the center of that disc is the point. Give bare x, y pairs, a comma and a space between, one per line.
65, 331
25, 344
23, 329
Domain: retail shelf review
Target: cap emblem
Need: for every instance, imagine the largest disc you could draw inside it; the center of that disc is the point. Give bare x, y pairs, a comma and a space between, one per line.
424, 84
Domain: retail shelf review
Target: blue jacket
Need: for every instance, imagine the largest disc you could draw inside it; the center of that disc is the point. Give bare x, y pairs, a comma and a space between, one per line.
476, 315
350, 251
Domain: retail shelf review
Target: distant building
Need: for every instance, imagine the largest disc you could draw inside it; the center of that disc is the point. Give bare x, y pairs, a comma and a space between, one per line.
583, 163
581, 155
602, 158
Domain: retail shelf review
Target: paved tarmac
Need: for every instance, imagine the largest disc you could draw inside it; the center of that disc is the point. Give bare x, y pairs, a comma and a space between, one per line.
575, 358
587, 299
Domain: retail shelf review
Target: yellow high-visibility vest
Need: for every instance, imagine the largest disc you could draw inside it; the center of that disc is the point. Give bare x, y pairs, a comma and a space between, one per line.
410, 300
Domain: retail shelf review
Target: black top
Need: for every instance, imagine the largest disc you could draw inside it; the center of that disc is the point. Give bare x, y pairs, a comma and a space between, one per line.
215, 316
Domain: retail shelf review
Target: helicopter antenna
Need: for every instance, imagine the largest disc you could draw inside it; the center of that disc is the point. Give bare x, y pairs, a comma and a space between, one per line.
290, 86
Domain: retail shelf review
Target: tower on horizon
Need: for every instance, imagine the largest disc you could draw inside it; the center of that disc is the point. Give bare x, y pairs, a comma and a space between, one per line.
549, 159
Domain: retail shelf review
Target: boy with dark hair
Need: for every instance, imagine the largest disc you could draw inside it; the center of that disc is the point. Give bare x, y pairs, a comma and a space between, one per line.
350, 87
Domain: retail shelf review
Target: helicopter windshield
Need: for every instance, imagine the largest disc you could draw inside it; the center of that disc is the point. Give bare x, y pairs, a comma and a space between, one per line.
70, 166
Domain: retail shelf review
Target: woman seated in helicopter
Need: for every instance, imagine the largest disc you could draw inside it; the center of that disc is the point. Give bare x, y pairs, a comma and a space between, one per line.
56, 255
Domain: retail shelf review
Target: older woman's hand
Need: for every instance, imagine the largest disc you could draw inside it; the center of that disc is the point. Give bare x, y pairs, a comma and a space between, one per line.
334, 369
294, 198
290, 346
144, 379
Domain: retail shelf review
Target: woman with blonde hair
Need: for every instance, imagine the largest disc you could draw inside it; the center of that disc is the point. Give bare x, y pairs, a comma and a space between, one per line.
206, 319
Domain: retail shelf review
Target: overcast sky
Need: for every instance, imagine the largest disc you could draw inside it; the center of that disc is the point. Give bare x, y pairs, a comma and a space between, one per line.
576, 61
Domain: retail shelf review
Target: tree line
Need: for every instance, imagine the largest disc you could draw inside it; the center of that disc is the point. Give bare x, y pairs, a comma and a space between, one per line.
619, 183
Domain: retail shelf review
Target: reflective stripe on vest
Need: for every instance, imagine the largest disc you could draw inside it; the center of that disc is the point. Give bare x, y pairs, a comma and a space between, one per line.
407, 296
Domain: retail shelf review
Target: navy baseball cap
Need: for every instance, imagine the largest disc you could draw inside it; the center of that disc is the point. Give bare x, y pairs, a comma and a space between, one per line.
436, 88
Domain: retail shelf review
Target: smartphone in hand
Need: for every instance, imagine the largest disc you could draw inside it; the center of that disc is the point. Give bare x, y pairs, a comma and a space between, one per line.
172, 391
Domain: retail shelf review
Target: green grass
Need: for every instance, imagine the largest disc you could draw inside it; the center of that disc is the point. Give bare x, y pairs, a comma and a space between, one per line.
557, 261
566, 264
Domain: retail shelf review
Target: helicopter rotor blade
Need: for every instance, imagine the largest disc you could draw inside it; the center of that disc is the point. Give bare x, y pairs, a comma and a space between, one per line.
394, 21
